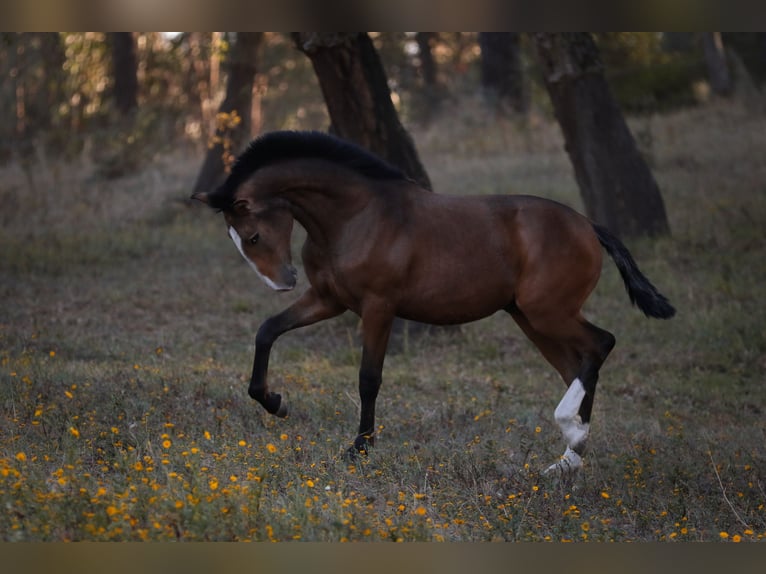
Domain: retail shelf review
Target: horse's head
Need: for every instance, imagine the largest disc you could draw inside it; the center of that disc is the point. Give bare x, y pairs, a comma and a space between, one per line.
261, 231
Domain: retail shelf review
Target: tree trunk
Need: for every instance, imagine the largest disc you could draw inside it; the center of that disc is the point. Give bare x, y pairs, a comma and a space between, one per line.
431, 93
125, 71
427, 62
502, 77
231, 135
717, 67
358, 99
617, 187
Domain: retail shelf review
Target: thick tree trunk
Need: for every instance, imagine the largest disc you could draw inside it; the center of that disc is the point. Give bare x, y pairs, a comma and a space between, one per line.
717, 67
358, 99
241, 65
502, 77
125, 71
617, 187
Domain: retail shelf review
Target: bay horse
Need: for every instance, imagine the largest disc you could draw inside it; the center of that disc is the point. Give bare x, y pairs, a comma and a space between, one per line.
383, 247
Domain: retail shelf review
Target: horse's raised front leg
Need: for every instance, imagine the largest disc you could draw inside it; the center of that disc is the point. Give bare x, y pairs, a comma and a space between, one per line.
310, 308
377, 319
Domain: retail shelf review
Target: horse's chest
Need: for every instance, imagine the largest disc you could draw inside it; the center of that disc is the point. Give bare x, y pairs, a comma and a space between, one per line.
333, 280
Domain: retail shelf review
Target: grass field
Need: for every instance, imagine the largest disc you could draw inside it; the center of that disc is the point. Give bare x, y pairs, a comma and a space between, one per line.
126, 335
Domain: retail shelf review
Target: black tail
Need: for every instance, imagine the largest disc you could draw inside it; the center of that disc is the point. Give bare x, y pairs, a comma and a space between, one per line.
641, 292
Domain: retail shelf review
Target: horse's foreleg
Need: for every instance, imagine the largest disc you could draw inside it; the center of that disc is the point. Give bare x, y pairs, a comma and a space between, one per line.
310, 308
376, 328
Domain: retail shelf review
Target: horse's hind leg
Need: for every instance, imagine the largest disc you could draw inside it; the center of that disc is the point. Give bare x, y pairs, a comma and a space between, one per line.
576, 349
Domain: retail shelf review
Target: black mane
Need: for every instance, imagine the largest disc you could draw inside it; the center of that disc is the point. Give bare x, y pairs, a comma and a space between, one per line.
277, 146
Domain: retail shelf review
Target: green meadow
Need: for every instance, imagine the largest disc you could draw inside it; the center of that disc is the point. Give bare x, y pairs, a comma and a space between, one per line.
127, 326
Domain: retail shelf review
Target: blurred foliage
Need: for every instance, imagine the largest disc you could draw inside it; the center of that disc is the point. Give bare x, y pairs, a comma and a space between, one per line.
226, 123
58, 97
646, 76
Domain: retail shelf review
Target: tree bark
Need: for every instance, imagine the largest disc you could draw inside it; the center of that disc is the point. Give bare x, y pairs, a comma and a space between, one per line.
717, 67
355, 90
502, 77
229, 139
125, 71
617, 187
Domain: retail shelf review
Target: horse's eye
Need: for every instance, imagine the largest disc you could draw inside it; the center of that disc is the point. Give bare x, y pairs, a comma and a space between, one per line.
254, 238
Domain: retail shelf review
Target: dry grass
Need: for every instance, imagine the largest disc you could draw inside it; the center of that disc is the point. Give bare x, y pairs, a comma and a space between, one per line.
126, 335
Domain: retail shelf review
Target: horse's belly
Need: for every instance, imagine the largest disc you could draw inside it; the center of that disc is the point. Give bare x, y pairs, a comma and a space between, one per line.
456, 301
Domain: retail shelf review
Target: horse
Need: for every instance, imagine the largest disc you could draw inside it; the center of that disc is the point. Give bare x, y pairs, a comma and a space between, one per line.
383, 247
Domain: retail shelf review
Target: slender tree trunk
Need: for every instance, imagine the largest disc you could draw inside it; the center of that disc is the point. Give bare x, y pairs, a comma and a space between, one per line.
358, 99
432, 93
717, 67
125, 71
502, 77
230, 135
427, 63
50, 92
617, 187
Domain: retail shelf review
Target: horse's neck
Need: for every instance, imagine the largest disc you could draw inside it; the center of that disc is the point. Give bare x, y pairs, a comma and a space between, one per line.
323, 207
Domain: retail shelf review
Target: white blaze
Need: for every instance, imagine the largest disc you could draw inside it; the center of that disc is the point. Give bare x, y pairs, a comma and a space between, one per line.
238, 242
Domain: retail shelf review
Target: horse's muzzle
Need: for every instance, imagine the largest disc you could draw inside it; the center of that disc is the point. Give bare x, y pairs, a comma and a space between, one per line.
288, 278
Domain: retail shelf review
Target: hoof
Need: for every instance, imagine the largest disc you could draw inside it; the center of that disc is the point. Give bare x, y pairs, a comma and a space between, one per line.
281, 411
566, 467
275, 405
361, 447
351, 454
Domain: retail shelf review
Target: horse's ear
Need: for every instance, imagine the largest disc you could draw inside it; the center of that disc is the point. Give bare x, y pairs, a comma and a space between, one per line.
202, 196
